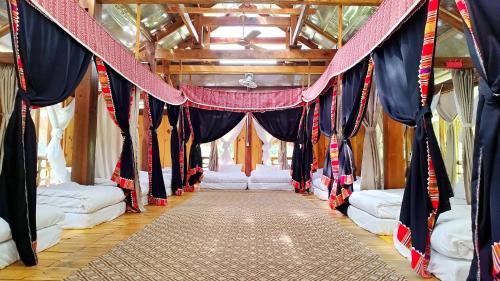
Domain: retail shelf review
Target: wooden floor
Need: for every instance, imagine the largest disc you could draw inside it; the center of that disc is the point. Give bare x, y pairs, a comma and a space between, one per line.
79, 247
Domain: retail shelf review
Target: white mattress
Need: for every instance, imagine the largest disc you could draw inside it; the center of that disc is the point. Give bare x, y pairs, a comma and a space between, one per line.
449, 269
321, 194
373, 224
384, 204
144, 182
269, 186
223, 185
74, 198
452, 236
105, 182
318, 184
46, 216
89, 220
270, 176
46, 238
224, 177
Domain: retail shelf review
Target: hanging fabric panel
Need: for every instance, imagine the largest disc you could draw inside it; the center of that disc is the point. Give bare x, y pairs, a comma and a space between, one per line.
355, 94
266, 139
173, 113
371, 165
40, 48
227, 140
118, 94
404, 80
8, 90
157, 194
483, 38
206, 126
213, 161
59, 118
287, 125
327, 125
108, 142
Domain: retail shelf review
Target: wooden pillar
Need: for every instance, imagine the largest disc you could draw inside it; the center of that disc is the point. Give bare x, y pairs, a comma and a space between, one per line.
85, 121
341, 27
248, 146
394, 159
357, 144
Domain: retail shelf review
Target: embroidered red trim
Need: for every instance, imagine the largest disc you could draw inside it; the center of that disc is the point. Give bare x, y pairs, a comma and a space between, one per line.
364, 97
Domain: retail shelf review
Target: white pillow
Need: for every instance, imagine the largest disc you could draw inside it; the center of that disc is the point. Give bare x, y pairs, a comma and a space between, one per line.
453, 239
230, 168
459, 189
265, 168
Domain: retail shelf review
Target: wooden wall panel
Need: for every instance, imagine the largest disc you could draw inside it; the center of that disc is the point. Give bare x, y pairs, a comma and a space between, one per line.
256, 149
164, 133
394, 159
357, 144
239, 149
67, 143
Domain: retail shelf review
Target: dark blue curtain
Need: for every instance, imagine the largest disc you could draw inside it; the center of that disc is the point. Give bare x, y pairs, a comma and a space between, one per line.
174, 112
50, 66
397, 79
326, 128
352, 88
485, 186
121, 94
158, 194
286, 125
207, 126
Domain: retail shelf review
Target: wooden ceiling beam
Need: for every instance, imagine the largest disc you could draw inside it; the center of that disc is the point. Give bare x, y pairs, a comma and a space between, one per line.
187, 21
271, 11
248, 21
308, 43
297, 29
258, 40
205, 54
277, 2
169, 29
451, 19
256, 69
319, 30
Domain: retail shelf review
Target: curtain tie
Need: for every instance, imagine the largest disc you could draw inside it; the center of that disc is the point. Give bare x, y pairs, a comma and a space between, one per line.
467, 125
26, 96
370, 129
422, 113
57, 133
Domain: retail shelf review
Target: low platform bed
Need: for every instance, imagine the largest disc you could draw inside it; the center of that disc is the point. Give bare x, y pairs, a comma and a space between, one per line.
227, 177
270, 178
49, 229
84, 206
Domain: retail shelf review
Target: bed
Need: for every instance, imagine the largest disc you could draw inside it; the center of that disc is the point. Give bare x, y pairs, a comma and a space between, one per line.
49, 222
228, 177
321, 191
451, 245
84, 206
270, 178
144, 182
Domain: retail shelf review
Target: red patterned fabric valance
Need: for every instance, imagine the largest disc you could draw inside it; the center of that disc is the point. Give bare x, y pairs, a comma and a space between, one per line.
253, 100
388, 17
83, 28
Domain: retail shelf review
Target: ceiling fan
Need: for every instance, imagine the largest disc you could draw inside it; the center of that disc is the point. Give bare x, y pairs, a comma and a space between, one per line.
245, 41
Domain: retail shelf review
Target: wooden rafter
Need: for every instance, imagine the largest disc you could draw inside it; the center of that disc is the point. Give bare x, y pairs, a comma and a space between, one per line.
297, 29
247, 21
205, 54
308, 43
228, 11
169, 29
319, 30
277, 2
451, 19
258, 40
256, 69
189, 24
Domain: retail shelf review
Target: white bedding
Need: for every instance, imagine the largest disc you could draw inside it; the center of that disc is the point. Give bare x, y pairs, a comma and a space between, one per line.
49, 220
449, 269
89, 220
74, 198
46, 238
384, 204
144, 182
224, 177
270, 175
269, 186
224, 185
105, 182
373, 224
321, 194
